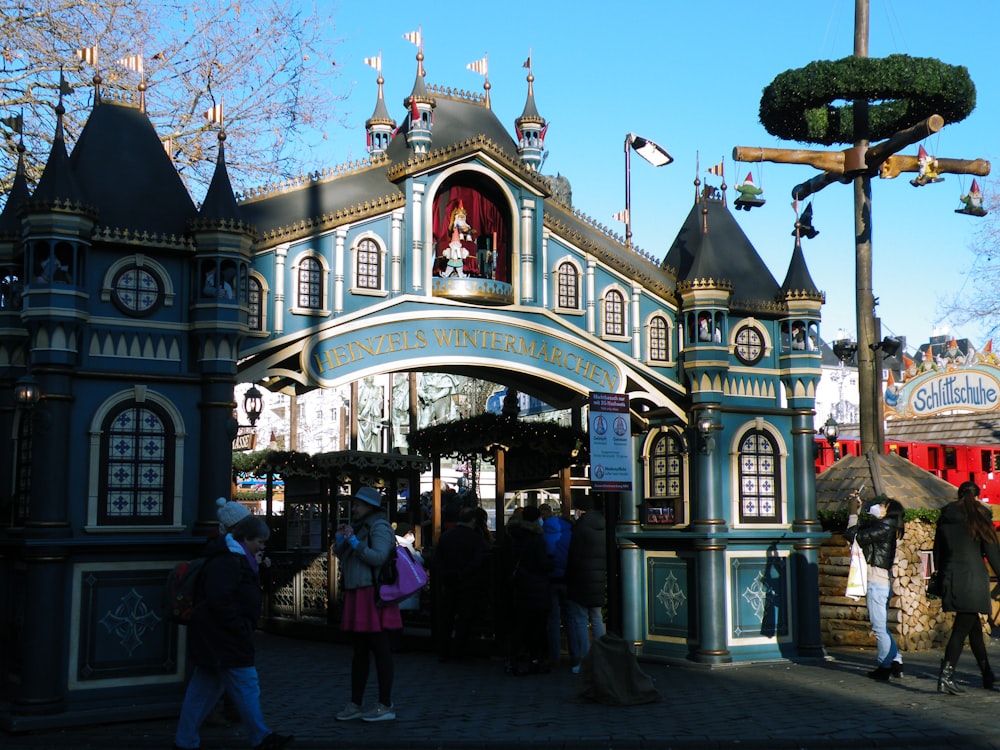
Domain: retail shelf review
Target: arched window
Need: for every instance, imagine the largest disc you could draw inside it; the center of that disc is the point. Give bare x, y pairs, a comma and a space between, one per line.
255, 305
666, 480
310, 292
659, 339
760, 482
368, 265
567, 286
136, 488
614, 313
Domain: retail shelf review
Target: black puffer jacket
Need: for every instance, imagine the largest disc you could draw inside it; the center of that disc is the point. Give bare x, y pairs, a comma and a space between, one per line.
227, 605
877, 540
530, 565
587, 563
959, 558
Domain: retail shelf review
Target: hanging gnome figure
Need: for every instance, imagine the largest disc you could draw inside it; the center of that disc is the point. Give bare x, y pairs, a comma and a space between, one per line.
972, 202
928, 167
749, 194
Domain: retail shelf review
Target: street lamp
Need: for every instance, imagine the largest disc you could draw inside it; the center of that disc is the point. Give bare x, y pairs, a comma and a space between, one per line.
26, 391
831, 431
844, 349
253, 404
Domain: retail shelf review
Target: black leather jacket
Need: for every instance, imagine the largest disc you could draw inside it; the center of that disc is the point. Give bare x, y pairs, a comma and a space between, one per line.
877, 540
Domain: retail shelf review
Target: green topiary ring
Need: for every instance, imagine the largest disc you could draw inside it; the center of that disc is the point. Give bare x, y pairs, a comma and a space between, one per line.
902, 91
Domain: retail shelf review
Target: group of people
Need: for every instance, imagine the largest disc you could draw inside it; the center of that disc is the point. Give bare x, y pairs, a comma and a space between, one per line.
558, 579
964, 538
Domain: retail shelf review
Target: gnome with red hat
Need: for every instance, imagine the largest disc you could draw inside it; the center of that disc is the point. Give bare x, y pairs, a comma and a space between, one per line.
749, 194
972, 201
928, 167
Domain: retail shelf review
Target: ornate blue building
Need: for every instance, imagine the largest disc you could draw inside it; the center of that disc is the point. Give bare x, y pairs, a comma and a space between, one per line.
134, 313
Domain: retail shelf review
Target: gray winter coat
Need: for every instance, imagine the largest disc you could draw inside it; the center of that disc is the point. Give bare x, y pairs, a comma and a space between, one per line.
959, 558
376, 541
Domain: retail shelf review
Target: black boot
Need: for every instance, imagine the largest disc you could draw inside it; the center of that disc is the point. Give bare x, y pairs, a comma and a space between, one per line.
882, 674
945, 682
989, 680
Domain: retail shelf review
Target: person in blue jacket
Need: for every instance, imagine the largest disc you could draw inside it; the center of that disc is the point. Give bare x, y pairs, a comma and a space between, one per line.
556, 531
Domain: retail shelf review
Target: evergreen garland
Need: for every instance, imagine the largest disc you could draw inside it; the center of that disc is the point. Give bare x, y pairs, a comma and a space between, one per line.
901, 91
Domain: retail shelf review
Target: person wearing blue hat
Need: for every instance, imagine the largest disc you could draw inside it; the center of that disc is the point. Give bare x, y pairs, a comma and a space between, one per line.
363, 547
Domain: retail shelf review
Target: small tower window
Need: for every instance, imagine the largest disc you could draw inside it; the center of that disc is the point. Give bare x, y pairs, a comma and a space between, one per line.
136, 291
255, 305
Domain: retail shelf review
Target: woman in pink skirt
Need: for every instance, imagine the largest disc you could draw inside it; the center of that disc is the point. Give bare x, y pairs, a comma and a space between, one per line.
362, 548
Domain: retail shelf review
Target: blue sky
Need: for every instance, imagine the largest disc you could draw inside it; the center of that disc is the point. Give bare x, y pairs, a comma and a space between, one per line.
689, 76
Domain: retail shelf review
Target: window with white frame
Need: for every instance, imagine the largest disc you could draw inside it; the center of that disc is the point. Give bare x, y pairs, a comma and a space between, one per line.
760, 481
309, 295
614, 313
368, 265
659, 339
567, 286
136, 484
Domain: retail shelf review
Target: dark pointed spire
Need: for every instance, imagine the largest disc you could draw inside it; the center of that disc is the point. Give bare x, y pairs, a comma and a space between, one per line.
219, 206
10, 222
57, 183
798, 282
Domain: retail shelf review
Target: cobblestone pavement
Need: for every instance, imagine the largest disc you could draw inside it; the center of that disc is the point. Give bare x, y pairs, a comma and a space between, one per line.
822, 703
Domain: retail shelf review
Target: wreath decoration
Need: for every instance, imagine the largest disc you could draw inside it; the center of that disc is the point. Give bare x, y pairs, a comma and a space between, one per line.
901, 90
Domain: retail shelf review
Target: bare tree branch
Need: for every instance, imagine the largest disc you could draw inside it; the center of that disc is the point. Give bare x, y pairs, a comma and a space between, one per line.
271, 63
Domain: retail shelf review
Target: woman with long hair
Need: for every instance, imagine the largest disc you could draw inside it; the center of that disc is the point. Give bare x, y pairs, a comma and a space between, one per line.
877, 539
965, 535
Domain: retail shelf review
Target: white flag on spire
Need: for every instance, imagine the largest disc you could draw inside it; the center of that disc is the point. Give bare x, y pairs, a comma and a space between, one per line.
649, 151
88, 55
718, 170
215, 114
375, 62
133, 63
621, 216
479, 66
414, 37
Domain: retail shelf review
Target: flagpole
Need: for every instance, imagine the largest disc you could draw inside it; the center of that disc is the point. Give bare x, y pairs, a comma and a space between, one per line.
628, 192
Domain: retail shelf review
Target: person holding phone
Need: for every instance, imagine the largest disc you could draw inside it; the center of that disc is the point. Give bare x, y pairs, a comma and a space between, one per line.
877, 538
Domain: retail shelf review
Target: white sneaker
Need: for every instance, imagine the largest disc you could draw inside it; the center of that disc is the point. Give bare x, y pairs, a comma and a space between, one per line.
380, 713
350, 711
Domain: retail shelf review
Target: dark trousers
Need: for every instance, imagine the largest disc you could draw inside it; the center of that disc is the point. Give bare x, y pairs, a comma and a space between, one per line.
457, 605
365, 646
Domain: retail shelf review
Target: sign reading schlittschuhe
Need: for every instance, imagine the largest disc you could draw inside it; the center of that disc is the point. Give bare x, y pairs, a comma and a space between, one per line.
947, 384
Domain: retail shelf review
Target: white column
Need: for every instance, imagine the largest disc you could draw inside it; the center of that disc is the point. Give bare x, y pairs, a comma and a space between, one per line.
591, 297
636, 327
546, 272
396, 252
280, 255
527, 251
338, 270
417, 256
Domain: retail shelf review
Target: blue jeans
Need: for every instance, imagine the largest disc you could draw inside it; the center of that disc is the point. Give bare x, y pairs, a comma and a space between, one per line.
203, 692
579, 619
878, 613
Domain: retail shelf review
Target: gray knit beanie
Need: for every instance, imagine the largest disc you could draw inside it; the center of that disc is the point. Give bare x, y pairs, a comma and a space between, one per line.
230, 513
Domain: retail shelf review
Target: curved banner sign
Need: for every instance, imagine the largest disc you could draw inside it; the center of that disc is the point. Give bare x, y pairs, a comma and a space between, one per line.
346, 355
970, 389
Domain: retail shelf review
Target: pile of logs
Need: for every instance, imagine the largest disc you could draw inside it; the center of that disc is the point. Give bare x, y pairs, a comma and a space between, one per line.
915, 621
